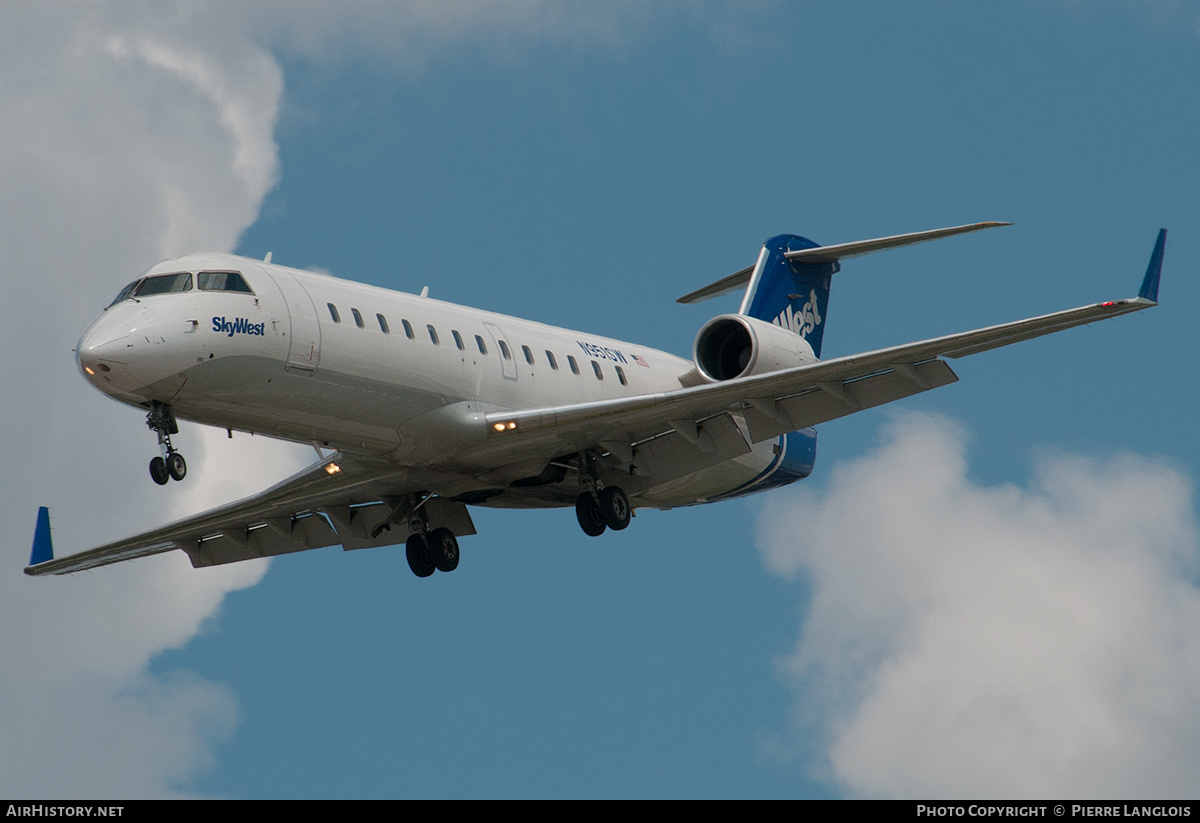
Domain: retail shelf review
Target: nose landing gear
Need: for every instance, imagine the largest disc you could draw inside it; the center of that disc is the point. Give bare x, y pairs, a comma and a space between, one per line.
171, 465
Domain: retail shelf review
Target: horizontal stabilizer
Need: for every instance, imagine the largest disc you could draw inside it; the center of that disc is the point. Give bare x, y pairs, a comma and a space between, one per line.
723, 286
830, 254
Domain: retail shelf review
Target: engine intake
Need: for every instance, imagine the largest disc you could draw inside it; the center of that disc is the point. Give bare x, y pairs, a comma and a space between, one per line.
733, 345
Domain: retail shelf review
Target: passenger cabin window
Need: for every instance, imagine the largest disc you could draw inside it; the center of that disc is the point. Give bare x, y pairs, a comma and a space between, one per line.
333, 312
550, 359
596, 369
433, 334
164, 284
482, 346
621, 375
358, 321
383, 326
457, 339
573, 364
222, 281
504, 350
528, 355
408, 332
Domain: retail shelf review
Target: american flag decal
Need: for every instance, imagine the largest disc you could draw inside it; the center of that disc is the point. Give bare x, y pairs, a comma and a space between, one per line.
640, 360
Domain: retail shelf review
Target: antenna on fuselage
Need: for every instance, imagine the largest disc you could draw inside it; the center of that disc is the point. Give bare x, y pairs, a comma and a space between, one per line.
425, 291
267, 259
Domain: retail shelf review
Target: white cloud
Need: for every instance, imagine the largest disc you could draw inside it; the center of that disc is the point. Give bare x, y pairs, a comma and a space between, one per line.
123, 141
134, 131
1003, 641
411, 32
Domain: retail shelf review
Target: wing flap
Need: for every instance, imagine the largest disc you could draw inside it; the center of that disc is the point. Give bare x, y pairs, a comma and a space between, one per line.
284, 518
645, 416
818, 405
268, 540
678, 453
352, 527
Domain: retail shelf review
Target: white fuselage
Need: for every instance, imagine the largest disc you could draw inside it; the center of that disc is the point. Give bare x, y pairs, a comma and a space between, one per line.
315, 359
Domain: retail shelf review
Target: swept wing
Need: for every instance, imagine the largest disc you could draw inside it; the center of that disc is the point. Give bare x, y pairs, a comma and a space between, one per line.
337, 500
790, 399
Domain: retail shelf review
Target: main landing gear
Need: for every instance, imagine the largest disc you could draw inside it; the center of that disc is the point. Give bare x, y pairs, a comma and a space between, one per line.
599, 507
171, 465
429, 550
607, 509
435, 551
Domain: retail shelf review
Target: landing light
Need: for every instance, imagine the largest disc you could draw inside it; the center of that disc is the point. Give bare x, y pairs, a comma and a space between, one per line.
505, 426
88, 369
332, 468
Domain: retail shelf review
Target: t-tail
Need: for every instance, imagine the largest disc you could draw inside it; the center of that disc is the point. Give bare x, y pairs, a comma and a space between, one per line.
789, 292
789, 285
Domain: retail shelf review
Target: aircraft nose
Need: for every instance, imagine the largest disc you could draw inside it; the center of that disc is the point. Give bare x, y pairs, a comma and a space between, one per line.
98, 356
105, 352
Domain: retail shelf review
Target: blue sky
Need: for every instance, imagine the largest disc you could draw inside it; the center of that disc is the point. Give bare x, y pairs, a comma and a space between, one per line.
990, 589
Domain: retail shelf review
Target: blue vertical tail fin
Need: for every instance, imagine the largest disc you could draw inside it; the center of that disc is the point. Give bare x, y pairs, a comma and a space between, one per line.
788, 292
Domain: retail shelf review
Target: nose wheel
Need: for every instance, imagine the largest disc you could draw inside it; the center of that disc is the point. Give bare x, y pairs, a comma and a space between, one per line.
171, 465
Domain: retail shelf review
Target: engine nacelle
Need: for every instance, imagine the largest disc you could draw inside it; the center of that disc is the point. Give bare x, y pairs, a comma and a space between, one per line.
733, 345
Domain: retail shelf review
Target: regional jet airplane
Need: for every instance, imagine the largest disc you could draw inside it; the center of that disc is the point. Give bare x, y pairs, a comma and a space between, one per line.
419, 409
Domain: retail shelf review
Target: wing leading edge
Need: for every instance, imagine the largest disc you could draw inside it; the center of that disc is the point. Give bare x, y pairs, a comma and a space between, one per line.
340, 499
791, 399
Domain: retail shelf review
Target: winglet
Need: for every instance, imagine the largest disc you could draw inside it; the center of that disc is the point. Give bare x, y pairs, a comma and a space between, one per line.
43, 548
1154, 270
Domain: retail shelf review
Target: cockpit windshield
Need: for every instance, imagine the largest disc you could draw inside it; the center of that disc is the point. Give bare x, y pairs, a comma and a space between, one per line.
125, 294
223, 281
155, 284
164, 284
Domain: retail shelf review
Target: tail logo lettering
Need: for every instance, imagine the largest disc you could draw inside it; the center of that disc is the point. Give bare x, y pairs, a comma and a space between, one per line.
802, 322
